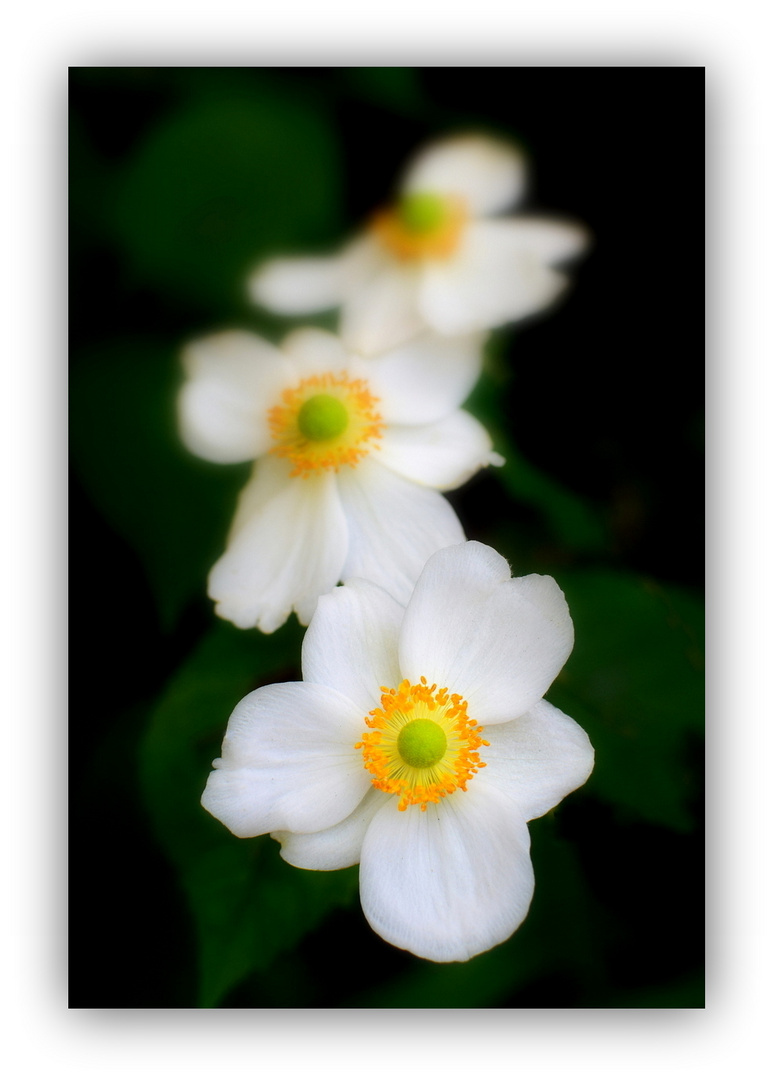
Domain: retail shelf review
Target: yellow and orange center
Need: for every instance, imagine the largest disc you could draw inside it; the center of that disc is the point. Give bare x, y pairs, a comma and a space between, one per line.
421, 226
422, 745
325, 422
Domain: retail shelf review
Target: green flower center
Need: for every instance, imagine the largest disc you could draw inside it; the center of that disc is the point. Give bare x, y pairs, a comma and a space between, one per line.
322, 417
422, 743
422, 213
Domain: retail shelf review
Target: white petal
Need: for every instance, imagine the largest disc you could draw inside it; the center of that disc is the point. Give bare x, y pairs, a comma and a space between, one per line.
296, 286
449, 883
288, 762
488, 173
380, 311
293, 286
312, 351
352, 643
538, 759
494, 278
289, 549
394, 526
233, 378
425, 379
268, 478
364, 258
549, 239
497, 641
337, 847
442, 455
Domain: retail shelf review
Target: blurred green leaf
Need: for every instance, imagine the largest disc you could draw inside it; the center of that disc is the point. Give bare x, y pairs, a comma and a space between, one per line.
248, 905
477, 984
220, 184
635, 683
394, 87
171, 507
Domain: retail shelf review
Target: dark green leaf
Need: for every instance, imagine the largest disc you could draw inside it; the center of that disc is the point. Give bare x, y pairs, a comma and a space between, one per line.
248, 905
394, 87
223, 183
635, 683
171, 507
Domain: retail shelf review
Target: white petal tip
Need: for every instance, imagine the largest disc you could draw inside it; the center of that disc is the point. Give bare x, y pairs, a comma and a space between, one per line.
486, 170
293, 286
248, 620
256, 286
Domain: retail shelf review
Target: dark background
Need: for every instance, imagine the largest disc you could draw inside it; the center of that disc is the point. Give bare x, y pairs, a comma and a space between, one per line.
180, 180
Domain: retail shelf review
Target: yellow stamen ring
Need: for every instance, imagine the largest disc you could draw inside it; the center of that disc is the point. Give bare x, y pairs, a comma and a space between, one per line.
422, 745
325, 422
422, 225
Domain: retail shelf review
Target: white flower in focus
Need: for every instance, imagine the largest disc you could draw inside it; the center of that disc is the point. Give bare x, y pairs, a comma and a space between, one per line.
439, 258
419, 745
351, 457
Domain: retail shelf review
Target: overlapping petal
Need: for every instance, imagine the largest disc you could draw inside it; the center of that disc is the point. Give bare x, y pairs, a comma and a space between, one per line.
442, 455
222, 404
336, 847
498, 641
488, 173
425, 379
449, 883
537, 759
287, 762
394, 526
352, 643
293, 286
290, 548
381, 309
495, 278
313, 351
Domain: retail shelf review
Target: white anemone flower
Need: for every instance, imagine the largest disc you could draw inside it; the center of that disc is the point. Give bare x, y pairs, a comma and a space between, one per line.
418, 745
441, 257
351, 457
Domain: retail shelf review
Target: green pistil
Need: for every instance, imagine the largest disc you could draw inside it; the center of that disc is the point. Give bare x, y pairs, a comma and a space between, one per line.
421, 213
422, 743
322, 417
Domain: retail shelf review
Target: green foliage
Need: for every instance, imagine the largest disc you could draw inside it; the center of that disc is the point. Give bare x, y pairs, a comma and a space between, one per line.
172, 508
220, 184
248, 905
392, 87
635, 683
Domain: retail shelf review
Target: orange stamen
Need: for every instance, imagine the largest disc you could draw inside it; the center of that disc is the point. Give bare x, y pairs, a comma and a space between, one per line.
364, 427
420, 786
407, 245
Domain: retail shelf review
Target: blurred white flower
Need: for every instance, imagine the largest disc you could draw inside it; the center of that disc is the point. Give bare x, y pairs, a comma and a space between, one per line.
419, 745
351, 457
439, 258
